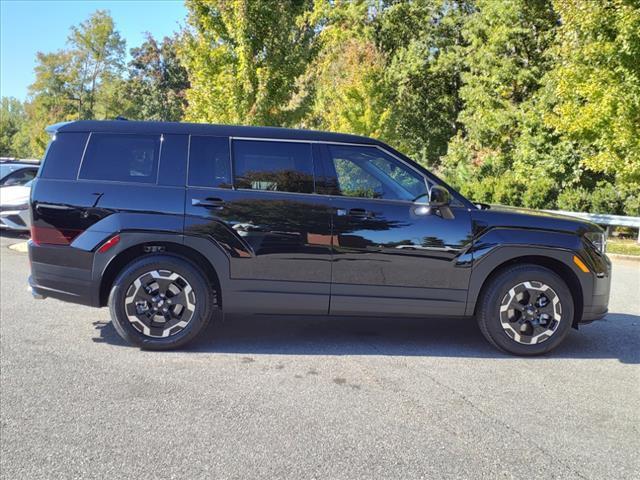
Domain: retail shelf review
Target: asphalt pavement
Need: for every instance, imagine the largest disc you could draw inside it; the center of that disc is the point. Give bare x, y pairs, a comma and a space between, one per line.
302, 398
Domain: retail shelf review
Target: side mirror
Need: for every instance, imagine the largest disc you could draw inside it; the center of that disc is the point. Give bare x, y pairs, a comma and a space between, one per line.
439, 197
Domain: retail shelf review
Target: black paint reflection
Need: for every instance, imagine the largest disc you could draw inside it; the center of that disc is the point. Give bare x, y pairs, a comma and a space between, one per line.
269, 235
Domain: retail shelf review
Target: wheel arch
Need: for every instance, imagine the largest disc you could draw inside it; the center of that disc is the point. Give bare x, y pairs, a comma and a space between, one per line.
165, 247
559, 267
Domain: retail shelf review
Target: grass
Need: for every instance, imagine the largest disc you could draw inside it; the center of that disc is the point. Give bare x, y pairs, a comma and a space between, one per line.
624, 247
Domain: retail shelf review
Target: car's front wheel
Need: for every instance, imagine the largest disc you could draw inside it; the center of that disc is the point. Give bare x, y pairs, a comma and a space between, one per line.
526, 310
160, 302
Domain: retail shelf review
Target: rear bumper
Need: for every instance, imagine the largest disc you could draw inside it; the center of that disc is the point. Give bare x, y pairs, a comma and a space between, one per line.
58, 273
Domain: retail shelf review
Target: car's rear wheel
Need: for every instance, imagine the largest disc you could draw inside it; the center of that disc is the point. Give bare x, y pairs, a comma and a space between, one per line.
160, 302
526, 310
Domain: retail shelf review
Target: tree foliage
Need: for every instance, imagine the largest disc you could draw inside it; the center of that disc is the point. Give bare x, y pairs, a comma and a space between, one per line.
157, 81
345, 78
596, 80
243, 59
422, 73
531, 103
12, 118
550, 114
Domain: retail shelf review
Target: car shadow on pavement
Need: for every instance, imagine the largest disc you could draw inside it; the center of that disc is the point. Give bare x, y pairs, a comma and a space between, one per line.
615, 337
11, 234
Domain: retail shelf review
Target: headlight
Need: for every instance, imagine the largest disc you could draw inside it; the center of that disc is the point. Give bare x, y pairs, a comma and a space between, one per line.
598, 239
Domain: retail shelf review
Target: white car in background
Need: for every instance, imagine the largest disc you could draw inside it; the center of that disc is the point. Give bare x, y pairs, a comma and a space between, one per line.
14, 207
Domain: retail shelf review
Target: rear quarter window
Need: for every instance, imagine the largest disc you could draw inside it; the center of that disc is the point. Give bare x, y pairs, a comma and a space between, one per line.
63, 156
121, 158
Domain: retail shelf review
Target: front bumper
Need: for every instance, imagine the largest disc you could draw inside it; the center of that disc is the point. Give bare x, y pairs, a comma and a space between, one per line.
19, 220
596, 305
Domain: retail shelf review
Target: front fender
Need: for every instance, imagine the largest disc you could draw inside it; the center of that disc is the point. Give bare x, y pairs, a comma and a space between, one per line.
499, 246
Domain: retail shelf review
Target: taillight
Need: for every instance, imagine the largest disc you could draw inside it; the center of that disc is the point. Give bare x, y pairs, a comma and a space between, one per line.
53, 236
112, 242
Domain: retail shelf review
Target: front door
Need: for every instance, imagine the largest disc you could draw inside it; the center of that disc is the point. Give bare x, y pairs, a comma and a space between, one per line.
274, 228
392, 255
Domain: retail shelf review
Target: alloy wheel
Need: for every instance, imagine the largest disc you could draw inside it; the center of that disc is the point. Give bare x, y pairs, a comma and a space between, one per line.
160, 303
530, 312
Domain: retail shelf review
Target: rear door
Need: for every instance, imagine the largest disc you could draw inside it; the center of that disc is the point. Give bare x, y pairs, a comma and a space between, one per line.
256, 198
390, 254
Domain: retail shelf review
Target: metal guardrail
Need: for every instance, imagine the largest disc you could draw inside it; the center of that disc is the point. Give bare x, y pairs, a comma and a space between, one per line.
604, 219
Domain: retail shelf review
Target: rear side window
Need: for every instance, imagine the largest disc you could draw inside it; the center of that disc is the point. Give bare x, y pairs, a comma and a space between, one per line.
63, 156
209, 164
121, 158
276, 166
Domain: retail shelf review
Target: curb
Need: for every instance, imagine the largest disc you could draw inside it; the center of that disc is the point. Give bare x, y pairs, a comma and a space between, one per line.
622, 256
19, 247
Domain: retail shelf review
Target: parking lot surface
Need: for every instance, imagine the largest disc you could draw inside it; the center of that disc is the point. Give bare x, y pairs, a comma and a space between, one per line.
300, 397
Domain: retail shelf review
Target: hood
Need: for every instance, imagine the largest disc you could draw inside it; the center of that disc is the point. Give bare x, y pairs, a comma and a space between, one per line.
15, 195
503, 216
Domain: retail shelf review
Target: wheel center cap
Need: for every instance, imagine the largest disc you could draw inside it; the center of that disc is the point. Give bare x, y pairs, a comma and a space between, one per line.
530, 311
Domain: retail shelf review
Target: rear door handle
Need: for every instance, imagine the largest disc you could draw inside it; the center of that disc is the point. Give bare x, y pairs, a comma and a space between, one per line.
360, 213
210, 202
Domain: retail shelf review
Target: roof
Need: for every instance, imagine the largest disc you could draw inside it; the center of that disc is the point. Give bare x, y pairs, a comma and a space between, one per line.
126, 126
26, 162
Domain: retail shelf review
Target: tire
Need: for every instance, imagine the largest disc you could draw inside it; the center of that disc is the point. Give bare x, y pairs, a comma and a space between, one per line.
180, 316
508, 313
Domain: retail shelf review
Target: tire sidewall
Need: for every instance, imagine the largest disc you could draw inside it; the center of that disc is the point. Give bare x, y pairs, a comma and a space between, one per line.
201, 288
501, 285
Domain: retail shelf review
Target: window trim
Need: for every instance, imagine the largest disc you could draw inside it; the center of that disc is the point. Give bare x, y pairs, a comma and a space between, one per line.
124, 182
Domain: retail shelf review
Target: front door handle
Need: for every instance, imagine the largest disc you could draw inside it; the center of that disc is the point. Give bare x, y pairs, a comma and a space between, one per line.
210, 202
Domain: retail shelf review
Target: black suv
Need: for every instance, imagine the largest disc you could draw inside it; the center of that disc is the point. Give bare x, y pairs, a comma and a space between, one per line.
167, 223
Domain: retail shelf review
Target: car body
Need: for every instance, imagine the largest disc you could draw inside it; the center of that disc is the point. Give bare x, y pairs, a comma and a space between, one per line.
14, 173
14, 207
280, 221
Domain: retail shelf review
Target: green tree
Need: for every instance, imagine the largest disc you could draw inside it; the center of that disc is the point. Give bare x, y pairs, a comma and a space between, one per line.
495, 157
77, 82
420, 40
97, 52
244, 59
68, 82
346, 77
157, 81
596, 81
12, 117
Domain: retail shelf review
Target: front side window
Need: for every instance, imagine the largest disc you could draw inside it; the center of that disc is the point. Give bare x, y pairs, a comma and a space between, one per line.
276, 166
209, 162
368, 172
121, 158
